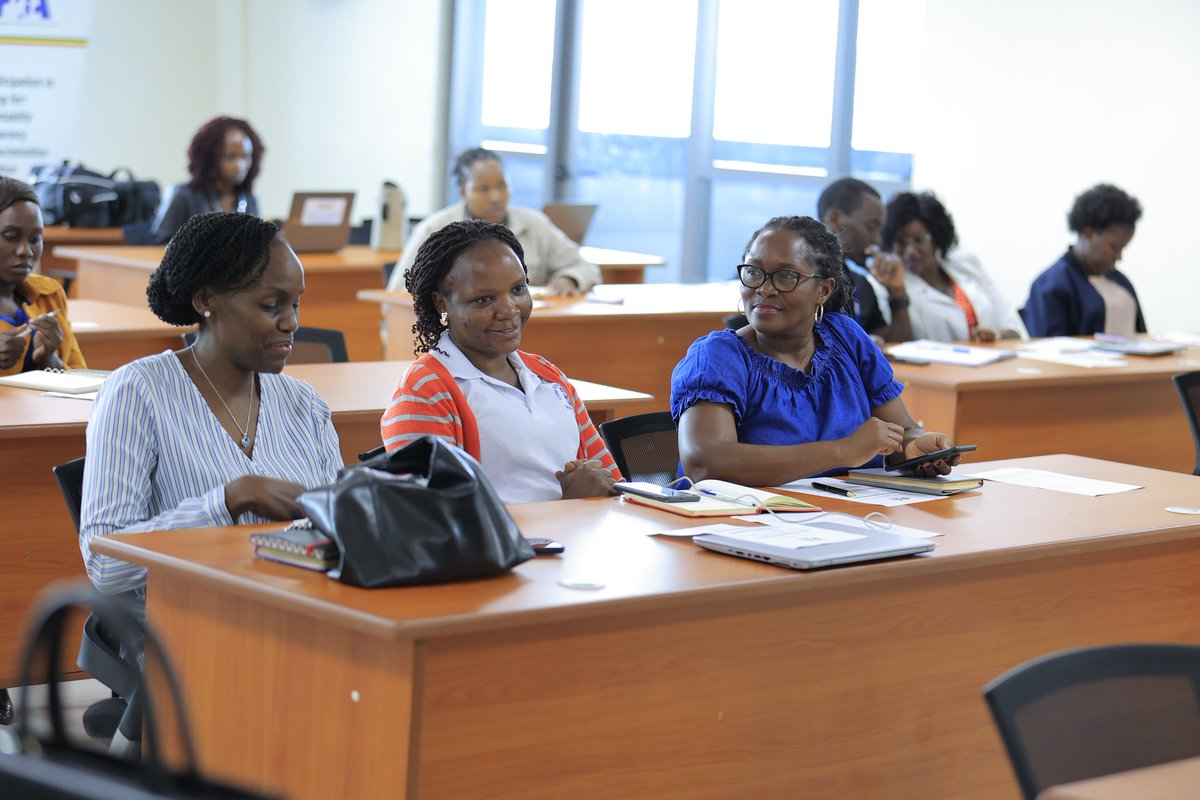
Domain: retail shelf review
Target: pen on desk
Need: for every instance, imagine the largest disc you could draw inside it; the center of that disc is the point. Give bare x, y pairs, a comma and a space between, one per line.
825, 487
724, 497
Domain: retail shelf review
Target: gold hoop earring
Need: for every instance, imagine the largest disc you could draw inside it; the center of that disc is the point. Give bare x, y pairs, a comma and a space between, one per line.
819, 314
444, 319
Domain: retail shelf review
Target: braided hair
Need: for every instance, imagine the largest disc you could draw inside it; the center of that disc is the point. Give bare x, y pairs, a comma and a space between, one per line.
221, 251
467, 159
208, 147
925, 207
435, 258
13, 191
825, 251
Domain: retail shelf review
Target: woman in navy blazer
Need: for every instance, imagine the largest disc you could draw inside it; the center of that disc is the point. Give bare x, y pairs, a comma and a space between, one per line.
1083, 292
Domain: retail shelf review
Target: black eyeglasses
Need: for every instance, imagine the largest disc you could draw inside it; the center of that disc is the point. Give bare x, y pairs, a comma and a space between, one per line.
784, 280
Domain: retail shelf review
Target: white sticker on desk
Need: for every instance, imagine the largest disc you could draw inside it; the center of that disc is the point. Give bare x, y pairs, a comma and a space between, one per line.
794, 536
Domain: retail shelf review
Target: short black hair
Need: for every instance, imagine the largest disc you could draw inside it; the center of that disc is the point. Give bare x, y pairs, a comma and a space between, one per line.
826, 251
1103, 206
906, 206
844, 194
208, 146
221, 251
435, 258
467, 159
13, 191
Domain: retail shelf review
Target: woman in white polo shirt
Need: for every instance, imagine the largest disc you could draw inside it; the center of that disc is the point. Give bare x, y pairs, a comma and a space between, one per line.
513, 411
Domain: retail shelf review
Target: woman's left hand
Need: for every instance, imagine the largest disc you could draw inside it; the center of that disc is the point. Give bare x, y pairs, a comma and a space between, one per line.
931, 442
581, 478
563, 286
48, 337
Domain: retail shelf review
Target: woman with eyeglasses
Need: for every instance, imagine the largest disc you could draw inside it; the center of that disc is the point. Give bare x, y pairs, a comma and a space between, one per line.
951, 298
799, 391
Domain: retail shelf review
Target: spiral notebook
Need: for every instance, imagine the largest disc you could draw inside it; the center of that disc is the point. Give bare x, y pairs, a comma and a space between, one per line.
79, 381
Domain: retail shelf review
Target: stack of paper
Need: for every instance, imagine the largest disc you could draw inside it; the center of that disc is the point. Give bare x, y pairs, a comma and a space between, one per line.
947, 353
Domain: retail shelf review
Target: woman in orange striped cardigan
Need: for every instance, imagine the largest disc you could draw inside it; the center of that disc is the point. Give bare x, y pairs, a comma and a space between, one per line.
513, 411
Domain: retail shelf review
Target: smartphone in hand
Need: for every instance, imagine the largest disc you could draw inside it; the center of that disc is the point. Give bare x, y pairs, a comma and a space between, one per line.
929, 458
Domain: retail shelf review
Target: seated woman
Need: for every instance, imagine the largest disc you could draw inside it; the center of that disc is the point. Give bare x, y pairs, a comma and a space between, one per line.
951, 298
34, 331
1084, 293
515, 412
551, 258
212, 434
223, 160
802, 390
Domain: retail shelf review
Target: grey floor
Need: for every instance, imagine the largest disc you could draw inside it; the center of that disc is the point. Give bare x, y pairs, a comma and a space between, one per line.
77, 696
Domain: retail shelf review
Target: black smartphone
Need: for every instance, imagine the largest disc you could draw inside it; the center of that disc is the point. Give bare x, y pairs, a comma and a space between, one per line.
545, 547
929, 458
656, 492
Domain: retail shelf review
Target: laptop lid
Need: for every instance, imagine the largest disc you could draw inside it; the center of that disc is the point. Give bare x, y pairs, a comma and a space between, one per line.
808, 546
573, 219
319, 222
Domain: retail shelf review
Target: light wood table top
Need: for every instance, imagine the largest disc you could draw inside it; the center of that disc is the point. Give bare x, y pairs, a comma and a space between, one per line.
686, 674
114, 334
620, 266
1175, 780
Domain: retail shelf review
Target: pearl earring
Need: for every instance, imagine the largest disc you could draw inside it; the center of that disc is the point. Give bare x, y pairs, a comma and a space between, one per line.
207, 314
444, 318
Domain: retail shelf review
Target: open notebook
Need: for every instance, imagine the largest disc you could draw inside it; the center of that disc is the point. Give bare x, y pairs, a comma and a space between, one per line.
724, 499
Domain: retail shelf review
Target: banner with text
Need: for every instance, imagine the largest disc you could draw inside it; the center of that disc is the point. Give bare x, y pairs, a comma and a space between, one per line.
42, 49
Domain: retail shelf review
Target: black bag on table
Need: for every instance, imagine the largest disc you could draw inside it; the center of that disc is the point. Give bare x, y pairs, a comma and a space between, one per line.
424, 514
137, 201
75, 196
32, 768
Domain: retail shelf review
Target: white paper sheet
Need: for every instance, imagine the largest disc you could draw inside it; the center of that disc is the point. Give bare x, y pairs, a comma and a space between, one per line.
1054, 481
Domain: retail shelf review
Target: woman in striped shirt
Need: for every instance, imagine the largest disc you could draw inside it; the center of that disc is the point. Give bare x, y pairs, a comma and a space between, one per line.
471, 386
212, 434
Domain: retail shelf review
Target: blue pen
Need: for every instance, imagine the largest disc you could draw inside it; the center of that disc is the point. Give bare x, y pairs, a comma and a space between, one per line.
724, 497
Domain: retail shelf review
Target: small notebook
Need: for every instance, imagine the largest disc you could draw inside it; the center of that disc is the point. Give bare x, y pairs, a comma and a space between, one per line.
727, 500
302, 547
908, 483
77, 381
947, 353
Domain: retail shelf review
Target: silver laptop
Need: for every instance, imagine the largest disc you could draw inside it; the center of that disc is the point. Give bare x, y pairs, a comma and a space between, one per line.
319, 222
573, 219
812, 546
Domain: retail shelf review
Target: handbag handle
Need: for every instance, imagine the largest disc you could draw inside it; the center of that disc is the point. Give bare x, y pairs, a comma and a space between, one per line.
49, 622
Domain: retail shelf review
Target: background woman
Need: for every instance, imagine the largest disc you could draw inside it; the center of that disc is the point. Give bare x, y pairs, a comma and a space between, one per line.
951, 298
223, 160
801, 390
34, 331
515, 412
1083, 292
212, 434
551, 258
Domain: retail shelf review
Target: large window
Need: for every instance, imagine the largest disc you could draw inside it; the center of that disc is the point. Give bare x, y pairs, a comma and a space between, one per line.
690, 122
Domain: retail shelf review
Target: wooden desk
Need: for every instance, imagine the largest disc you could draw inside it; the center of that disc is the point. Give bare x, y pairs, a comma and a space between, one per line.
634, 344
1021, 407
620, 266
56, 235
689, 674
113, 334
1175, 780
38, 542
120, 274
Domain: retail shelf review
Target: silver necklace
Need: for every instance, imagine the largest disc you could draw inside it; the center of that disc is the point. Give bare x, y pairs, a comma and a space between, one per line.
250, 402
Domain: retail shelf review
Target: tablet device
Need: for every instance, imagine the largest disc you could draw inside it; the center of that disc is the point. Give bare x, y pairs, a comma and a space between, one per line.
929, 458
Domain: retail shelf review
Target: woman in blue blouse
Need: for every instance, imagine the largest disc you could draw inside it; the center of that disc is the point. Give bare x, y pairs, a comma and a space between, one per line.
212, 434
801, 390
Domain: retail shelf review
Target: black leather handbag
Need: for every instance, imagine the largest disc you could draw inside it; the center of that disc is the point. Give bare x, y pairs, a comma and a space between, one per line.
40, 766
424, 514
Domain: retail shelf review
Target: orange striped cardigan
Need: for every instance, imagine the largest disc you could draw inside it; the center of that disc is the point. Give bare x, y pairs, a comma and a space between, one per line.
428, 401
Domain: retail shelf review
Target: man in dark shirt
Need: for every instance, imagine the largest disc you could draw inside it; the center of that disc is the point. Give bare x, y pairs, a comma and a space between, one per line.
854, 211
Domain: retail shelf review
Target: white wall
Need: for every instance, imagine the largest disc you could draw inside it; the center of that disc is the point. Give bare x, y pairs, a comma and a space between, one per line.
1029, 102
343, 92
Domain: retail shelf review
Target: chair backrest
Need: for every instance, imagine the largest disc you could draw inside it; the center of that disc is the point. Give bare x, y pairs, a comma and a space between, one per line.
1096, 711
310, 346
1188, 385
70, 483
645, 446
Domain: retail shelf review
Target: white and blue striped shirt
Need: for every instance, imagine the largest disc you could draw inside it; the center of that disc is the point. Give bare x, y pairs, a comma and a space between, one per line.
157, 457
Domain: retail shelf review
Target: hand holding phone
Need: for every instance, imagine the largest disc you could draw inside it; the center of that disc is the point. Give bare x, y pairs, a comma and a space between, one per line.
655, 492
929, 458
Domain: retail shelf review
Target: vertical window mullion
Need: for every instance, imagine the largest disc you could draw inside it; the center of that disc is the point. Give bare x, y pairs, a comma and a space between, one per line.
843, 89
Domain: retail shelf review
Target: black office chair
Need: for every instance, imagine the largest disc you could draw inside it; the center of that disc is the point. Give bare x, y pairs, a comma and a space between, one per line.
119, 718
388, 268
361, 233
645, 446
1188, 385
310, 346
1096, 711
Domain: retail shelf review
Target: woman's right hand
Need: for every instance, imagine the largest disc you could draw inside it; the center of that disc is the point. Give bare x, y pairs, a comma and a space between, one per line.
12, 346
580, 478
874, 437
267, 497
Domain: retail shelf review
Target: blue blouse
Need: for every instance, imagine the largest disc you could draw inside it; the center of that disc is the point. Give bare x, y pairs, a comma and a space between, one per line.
775, 404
